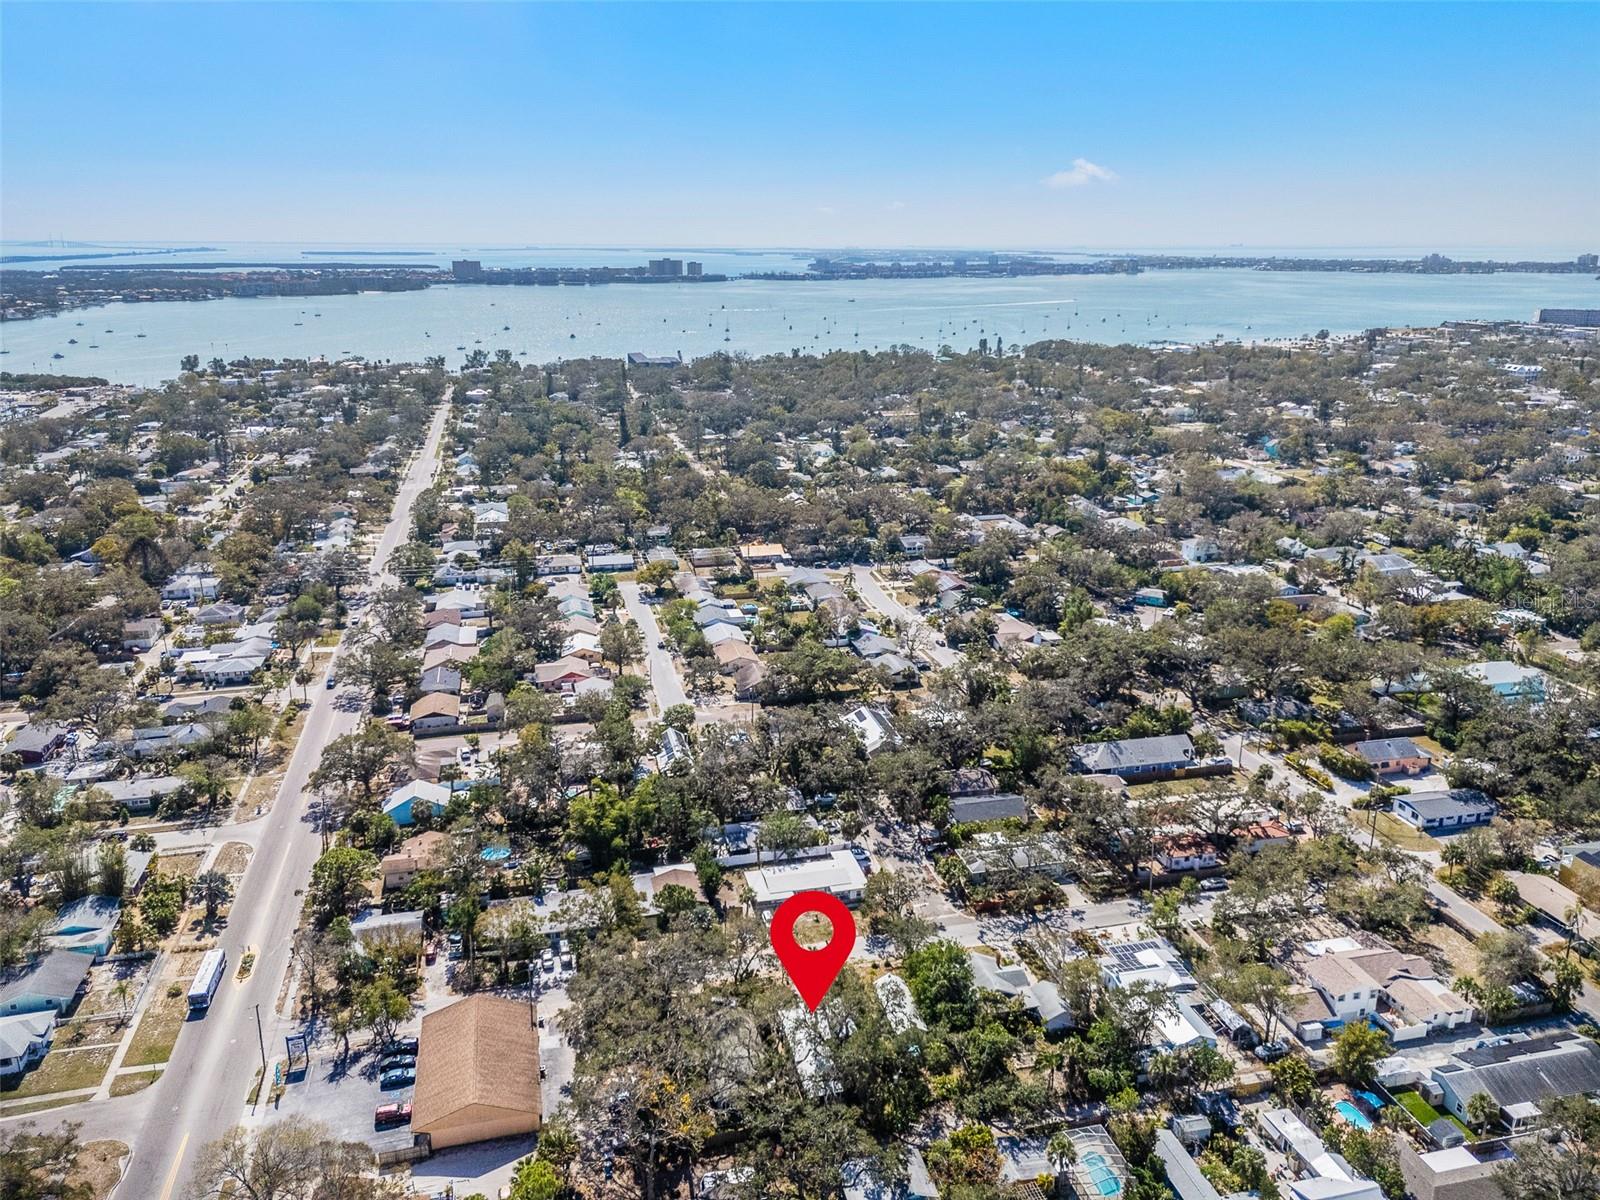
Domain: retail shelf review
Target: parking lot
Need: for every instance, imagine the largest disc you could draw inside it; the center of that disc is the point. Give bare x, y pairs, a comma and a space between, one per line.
343, 1092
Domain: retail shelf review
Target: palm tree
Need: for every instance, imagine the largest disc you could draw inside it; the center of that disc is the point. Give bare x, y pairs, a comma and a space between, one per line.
1572, 918
1061, 1151
1482, 1111
1052, 1060
122, 993
1454, 855
213, 889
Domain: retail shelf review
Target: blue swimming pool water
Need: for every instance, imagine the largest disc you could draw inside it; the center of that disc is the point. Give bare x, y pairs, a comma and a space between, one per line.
1104, 1178
1353, 1114
495, 854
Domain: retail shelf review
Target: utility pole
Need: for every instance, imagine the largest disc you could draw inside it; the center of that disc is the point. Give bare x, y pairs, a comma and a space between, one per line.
262, 1041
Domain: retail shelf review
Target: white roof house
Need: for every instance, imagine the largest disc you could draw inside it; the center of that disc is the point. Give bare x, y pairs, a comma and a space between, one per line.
838, 873
872, 726
1153, 960
899, 1007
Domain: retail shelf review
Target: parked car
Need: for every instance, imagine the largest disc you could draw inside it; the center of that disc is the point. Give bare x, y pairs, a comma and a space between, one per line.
1215, 884
398, 1078
863, 859
464, 754
407, 1045
391, 1114
397, 1062
332, 683
1271, 1051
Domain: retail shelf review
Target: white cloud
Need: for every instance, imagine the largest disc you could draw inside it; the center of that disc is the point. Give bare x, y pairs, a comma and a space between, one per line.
1081, 172
895, 205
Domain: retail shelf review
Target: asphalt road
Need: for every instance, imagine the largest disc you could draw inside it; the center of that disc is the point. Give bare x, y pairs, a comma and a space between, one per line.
202, 1091
878, 597
665, 681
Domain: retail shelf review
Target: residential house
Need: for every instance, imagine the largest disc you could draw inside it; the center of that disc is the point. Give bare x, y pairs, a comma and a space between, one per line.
448, 655
995, 854
702, 557
731, 654
1444, 810
141, 794
191, 709
1393, 756
424, 852
168, 739
762, 553
837, 873
563, 675
469, 604
85, 926
1184, 1176
440, 678
220, 614
1366, 979
1040, 998
37, 742
437, 710
50, 982
1150, 961
449, 635
585, 646
191, 587
748, 680
871, 725
971, 810
409, 798
1137, 758
142, 634
899, 1006
1181, 852
1520, 1075
1509, 681
25, 1039
1011, 633
1320, 1174
862, 1179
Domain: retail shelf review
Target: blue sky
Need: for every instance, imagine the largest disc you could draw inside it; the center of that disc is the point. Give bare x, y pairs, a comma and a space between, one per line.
795, 124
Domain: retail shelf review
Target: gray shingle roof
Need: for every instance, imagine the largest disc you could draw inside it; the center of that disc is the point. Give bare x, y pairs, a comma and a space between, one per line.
1131, 753
1530, 1072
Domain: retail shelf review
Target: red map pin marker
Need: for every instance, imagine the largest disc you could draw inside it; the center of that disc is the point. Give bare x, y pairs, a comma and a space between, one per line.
813, 971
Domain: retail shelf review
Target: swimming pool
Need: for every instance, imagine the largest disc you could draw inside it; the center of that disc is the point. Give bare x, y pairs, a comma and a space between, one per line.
1100, 1173
495, 854
1353, 1114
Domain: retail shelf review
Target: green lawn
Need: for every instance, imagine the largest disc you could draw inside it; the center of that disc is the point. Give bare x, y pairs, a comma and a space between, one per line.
64, 1071
126, 1085
1419, 1108
1394, 831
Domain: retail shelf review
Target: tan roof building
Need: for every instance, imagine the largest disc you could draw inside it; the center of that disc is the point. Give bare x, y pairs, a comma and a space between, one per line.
448, 655
437, 704
424, 852
731, 654
477, 1072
